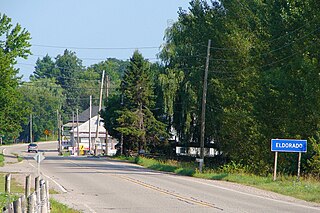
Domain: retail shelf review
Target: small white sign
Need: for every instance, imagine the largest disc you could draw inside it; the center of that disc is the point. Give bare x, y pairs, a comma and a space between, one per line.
199, 160
39, 157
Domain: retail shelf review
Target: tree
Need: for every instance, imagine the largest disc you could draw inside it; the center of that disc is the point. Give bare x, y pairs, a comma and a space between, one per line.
135, 119
90, 80
70, 67
45, 68
43, 97
14, 43
263, 80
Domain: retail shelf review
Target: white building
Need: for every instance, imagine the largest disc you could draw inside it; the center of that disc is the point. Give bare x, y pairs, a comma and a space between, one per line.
85, 134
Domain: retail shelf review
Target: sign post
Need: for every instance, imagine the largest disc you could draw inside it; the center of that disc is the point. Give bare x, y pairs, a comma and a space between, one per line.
287, 145
39, 157
275, 166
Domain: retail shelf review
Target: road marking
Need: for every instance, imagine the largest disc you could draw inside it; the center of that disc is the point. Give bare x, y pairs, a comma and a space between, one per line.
179, 197
251, 195
59, 185
182, 198
88, 207
31, 165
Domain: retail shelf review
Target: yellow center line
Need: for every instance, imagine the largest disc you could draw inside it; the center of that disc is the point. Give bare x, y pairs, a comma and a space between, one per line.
190, 200
182, 198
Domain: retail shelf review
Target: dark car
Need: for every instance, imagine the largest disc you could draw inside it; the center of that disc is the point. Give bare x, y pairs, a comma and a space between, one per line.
32, 147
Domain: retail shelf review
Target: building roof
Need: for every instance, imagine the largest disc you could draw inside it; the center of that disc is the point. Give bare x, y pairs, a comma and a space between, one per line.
84, 116
84, 127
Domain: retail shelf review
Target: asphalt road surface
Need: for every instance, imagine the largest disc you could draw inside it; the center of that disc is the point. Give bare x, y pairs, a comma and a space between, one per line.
103, 185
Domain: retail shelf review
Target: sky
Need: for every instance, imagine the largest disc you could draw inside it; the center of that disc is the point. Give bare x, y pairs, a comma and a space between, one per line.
95, 29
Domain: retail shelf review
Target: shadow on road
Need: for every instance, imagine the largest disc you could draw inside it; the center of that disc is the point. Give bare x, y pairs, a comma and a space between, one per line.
97, 165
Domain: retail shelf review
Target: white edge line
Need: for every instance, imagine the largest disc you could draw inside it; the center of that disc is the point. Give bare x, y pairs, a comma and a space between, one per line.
90, 209
31, 165
252, 195
59, 185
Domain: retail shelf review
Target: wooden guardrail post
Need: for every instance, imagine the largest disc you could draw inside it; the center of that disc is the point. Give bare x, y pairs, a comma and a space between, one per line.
23, 203
48, 197
8, 208
37, 190
17, 206
43, 197
28, 185
37, 183
37, 202
31, 203
7, 183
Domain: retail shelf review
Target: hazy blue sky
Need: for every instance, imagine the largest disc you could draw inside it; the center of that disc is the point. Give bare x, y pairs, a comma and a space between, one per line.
92, 24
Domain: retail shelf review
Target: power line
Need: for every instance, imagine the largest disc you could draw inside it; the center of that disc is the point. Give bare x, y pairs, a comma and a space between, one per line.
95, 48
63, 87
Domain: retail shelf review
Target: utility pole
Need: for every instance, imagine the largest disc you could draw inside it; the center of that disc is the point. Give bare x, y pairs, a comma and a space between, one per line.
107, 132
73, 143
58, 127
31, 129
78, 146
90, 112
121, 140
100, 106
60, 134
203, 110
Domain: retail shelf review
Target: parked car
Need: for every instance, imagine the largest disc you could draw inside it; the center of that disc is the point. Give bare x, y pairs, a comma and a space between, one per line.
32, 147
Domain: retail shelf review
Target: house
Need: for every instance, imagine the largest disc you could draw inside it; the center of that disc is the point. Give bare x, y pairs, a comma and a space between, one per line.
71, 131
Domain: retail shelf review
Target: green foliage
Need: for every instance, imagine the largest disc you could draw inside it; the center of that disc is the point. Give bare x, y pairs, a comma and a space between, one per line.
45, 68
314, 162
57, 207
14, 43
263, 79
306, 189
234, 167
69, 66
168, 166
1, 160
135, 120
43, 97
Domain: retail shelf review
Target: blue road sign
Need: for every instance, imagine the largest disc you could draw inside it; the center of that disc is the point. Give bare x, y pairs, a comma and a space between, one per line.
288, 145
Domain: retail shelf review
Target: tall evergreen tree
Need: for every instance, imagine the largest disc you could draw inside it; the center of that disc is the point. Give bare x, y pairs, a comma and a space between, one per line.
136, 121
45, 68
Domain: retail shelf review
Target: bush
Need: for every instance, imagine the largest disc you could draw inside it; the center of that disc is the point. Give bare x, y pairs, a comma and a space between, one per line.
314, 162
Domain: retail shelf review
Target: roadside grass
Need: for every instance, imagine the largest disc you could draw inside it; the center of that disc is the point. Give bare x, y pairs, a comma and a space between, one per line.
17, 190
1, 160
19, 158
307, 189
57, 207
66, 153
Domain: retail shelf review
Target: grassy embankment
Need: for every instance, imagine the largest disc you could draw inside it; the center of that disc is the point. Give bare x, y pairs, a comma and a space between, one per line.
17, 190
306, 189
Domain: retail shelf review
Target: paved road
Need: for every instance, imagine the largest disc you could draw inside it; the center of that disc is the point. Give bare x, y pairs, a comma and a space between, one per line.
104, 185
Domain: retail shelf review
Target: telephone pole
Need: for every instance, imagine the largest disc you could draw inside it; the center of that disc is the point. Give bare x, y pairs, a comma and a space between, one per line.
90, 112
100, 106
31, 129
107, 132
78, 145
58, 132
73, 142
203, 110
